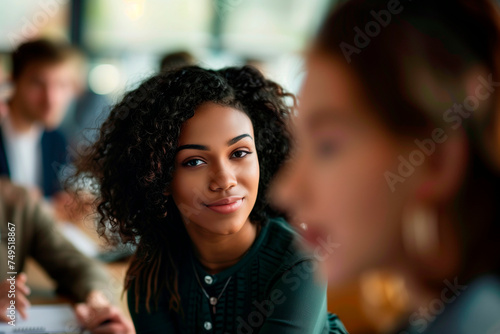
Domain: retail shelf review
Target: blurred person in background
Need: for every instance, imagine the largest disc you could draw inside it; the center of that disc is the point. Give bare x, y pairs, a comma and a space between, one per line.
186, 173
32, 150
83, 280
176, 60
257, 63
398, 155
4, 92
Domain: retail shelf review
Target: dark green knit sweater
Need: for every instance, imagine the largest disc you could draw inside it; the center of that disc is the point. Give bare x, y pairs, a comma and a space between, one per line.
272, 289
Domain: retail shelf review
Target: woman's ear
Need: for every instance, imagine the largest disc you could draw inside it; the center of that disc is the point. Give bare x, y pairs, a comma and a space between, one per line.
445, 170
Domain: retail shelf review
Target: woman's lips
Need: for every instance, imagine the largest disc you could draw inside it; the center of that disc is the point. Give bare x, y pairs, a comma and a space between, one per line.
226, 206
312, 236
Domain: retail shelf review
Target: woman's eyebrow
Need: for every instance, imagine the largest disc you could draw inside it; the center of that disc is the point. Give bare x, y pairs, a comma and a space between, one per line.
193, 147
238, 138
324, 117
206, 148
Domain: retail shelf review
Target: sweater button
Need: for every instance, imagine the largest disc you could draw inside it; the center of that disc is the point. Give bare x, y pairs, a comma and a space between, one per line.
209, 280
207, 325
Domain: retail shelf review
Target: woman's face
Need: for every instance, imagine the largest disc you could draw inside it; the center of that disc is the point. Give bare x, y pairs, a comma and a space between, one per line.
216, 174
336, 182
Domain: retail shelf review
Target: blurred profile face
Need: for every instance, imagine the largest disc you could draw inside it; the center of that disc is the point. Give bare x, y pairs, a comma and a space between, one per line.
44, 91
216, 175
335, 183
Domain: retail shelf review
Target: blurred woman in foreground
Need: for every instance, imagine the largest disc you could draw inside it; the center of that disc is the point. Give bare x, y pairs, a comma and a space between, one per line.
397, 157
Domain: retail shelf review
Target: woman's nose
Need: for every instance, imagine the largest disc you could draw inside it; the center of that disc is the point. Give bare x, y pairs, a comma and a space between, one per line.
222, 179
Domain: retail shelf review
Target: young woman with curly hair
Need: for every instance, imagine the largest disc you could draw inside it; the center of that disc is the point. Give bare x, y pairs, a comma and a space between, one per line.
182, 166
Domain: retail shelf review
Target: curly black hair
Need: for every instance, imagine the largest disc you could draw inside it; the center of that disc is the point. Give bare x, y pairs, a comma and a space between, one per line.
132, 162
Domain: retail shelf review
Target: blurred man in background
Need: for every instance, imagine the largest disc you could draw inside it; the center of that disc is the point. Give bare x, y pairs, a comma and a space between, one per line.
4, 92
32, 152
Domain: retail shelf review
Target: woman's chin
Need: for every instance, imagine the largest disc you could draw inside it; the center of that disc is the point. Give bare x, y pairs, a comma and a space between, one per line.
225, 228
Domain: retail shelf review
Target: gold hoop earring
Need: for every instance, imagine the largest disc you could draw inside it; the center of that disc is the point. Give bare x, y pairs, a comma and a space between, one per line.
420, 230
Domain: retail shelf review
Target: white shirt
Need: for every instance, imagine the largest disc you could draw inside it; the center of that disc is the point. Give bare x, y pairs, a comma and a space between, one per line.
24, 153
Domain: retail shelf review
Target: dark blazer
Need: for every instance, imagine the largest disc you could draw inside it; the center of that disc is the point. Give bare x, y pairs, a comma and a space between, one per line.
54, 157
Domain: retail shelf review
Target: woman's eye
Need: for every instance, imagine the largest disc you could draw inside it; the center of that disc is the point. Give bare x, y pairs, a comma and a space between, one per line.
326, 148
240, 154
193, 163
